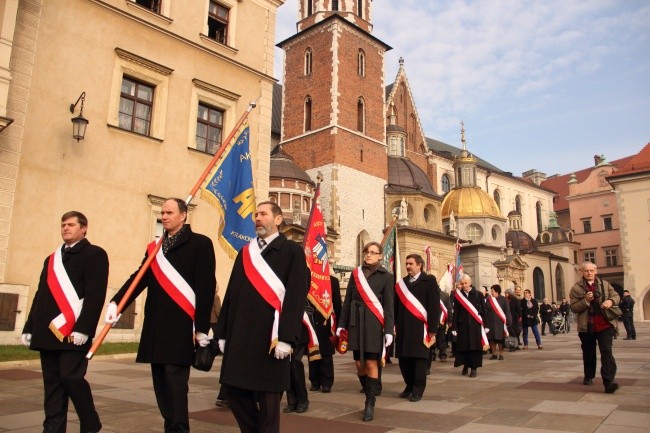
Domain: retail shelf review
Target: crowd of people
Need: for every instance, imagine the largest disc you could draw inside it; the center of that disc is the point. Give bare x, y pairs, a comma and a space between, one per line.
266, 324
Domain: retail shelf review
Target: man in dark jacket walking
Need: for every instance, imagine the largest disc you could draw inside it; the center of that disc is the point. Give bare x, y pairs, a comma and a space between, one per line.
260, 320
546, 313
74, 278
627, 307
181, 285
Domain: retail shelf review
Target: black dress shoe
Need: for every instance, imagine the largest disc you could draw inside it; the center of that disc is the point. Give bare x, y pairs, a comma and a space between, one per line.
493, 357
326, 389
315, 388
465, 369
289, 409
588, 381
611, 387
415, 398
473, 373
405, 394
222, 403
302, 407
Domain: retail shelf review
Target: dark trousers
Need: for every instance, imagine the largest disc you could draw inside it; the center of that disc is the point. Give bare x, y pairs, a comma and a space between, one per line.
321, 372
628, 322
170, 383
64, 377
297, 392
608, 363
255, 411
551, 328
414, 373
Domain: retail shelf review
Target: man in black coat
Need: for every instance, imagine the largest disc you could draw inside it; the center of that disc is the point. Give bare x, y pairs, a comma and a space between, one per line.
63, 356
469, 344
255, 369
169, 330
410, 347
321, 372
627, 307
546, 313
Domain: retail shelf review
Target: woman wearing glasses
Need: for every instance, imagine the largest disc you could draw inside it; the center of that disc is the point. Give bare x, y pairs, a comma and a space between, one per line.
367, 316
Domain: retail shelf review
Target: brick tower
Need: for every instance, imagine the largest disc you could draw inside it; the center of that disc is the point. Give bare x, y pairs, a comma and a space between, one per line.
333, 118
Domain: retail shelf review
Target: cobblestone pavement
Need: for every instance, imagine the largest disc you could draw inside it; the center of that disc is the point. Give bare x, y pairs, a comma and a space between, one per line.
530, 391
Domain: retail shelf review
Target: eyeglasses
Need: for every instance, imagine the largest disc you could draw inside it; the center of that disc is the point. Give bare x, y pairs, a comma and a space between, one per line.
371, 253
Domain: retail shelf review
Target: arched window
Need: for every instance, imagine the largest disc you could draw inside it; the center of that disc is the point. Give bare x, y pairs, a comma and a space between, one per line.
361, 115
559, 283
538, 284
497, 198
361, 63
518, 204
538, 210
308, 113
446, 183
413, 129
360, 8
362, 239
308, 61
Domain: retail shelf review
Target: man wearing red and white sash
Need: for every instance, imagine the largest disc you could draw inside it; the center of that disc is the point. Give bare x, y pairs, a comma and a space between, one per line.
497, 321
181, 285
469, 315
62, 321
417, 317
261, 321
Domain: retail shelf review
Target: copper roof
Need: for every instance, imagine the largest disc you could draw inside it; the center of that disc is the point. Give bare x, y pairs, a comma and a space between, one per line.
283, 167
521, 241
406, 177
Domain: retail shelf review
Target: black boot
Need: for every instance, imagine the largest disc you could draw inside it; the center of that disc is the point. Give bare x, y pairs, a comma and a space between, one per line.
362, 381
372, 388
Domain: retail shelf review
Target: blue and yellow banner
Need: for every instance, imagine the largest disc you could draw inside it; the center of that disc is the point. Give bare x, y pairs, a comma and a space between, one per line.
229, 188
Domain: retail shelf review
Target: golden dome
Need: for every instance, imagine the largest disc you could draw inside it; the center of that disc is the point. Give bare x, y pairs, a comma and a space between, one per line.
469, 202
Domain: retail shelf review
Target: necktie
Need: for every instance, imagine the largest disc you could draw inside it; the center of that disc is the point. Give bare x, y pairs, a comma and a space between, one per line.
261, 243
412, 280
66, 249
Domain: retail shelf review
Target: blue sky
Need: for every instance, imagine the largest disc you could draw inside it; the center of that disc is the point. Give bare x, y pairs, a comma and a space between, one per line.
538, 84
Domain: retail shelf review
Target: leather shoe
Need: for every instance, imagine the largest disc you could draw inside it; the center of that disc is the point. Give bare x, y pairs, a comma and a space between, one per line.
415, 398
326, 389
289, 409
473, 373
610, 388
405, 394
465, 369
493, 357
627, 338
588, 381
315, 388
222, 403
302, 407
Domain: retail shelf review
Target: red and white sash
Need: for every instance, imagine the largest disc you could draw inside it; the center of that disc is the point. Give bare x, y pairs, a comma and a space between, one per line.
370, 299
313, 345
444, 314
415, 307
65, 296
172, 282
499, 312
266, 282
462, 300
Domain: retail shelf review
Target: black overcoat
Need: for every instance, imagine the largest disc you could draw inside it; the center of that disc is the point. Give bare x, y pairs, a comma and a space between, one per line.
493, 322
167, 331
87, 268
515, 312
529, 315
323, 327
468, 330
409, 331
355, 315
246, 320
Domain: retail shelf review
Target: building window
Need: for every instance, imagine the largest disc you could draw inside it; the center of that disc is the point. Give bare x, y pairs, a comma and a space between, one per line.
474, 232
152, 5
218, 22
586, 225
307, 114
361, 115
589, 256
497, 198
611, 257
538, 284
518, 204
538, 210
361, 63
308, 61
607, 222
310, 7
136, 101
559, 282
335, 5
446, 183
396, 145
209, 129
360, 8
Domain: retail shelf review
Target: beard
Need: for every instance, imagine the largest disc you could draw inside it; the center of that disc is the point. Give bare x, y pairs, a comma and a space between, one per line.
261, 231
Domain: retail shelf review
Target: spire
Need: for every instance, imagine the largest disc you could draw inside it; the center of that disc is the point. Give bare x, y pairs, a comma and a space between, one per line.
462, 135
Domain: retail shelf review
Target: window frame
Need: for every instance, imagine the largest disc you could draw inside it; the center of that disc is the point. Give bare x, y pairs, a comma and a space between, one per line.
137, 102
219, 20
608, 222
586, 225
443, 178
209, 125
307, 113
361, 115
361, 63
611, 257
589, 256
308, 61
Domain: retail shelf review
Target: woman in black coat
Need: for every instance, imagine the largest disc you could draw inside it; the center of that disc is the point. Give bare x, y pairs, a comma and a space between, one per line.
529, 318
367, 335
469, 347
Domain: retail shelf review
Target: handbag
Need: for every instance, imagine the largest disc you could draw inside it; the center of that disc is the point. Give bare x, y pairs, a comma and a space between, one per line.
204, 356
510, 342
612, 313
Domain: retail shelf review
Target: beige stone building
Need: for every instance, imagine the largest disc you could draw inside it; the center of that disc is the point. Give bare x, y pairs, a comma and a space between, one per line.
163, 82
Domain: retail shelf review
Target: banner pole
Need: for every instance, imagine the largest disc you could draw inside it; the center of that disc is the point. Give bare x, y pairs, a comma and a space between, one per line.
99, 339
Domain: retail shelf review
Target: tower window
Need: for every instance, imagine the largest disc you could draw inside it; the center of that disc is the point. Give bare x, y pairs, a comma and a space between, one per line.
361, 63
360, 8
307, 114
361, 115
308, 61
310, 9
335, 5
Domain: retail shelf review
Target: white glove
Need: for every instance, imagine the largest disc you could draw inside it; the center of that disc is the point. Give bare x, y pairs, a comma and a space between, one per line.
282, 350
26, 339
338, 331
454, 333
111, 316
202, 339
222, 345
487, 330
78, 338
388, 339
